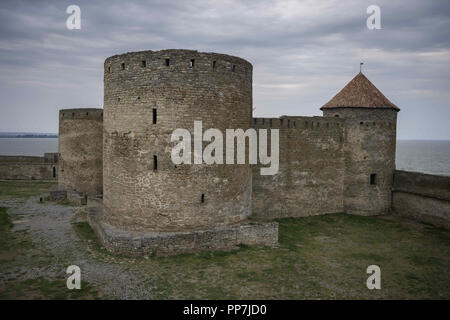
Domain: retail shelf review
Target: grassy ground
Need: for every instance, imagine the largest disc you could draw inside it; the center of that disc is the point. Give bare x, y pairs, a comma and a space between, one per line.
46, 289
21, 190
321, 257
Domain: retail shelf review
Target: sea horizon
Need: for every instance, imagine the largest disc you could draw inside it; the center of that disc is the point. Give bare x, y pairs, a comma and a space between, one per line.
417, 155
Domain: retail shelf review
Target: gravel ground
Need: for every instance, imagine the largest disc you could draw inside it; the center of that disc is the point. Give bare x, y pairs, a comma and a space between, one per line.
49, 228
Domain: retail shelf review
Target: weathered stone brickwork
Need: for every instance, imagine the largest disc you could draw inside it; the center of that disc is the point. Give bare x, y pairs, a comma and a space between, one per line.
311, 174
150, 204
80, 144
341, 162
147, 96
29, 168
369, 152
423, 197
135, 243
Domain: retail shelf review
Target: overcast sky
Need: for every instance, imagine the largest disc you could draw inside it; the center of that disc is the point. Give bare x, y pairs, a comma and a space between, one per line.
303, 53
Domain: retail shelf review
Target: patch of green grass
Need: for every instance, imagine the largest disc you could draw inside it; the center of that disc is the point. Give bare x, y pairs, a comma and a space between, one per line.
65, 203
421, 260
85, 232
319, 257
5, 220
47, 289
12, 243
23, 189
367, 257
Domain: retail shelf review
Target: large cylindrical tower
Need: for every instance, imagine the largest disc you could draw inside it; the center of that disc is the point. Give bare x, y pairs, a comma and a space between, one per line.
147, 96
80, 150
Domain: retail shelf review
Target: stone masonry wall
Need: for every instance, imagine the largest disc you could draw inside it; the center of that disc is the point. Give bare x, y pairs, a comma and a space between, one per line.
80, 147
423, 197
311, 174
369, 152
143, 188
29, 168
229, 237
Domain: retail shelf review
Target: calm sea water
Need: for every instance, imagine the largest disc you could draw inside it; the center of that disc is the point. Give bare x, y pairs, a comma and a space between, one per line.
427, 156
27, 146
413, 155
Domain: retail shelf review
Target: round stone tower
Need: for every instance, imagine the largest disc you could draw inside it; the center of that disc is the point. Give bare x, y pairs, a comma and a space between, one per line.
80, 142
370, 140
147, 96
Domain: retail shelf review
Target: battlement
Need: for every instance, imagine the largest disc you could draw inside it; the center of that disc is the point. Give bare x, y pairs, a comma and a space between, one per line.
51, 157
149, 94
22, 159
294, 122
80, 150
148, 67
29, 167
81, 113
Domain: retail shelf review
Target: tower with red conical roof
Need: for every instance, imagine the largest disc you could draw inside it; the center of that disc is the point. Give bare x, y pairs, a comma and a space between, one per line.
370, 139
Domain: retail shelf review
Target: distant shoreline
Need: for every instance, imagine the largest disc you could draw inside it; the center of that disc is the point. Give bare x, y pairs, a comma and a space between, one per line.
29, 136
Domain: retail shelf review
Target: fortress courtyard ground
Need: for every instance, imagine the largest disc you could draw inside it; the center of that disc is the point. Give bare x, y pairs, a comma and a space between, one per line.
319, 257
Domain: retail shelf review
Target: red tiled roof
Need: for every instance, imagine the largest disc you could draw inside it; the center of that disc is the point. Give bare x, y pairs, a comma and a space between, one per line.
360, 93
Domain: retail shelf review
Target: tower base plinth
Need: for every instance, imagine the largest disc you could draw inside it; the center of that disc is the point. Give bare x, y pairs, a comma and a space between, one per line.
134, 243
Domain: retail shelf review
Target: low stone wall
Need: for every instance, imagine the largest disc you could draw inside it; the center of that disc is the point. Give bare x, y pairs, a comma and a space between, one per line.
58, 195
29, 167
423, 197
73, 197
168, 243
76, 198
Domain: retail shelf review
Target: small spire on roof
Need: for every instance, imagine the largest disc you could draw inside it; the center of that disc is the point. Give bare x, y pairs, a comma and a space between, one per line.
360, 66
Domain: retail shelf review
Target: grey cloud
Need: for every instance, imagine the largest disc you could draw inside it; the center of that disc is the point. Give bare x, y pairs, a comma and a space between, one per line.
303, 53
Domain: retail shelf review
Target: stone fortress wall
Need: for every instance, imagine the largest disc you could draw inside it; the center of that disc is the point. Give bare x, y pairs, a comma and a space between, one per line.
80, 145
29, 167
341, 162
151, 204
310, 180
423, 197
147, 96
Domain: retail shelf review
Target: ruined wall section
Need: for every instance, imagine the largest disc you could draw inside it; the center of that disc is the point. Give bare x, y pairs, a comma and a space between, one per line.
369, 158
80, 147
311, 175
147, 96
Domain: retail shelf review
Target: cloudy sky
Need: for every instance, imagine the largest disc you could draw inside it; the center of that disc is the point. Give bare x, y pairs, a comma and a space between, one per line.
303, 53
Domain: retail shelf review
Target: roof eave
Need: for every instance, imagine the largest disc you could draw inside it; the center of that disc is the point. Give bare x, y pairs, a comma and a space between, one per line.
394, 107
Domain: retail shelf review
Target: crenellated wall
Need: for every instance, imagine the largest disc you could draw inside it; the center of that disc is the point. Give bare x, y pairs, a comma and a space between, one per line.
310, 180
80, 143
29, 167
341, 162
423, 197
147, 96
369, 151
